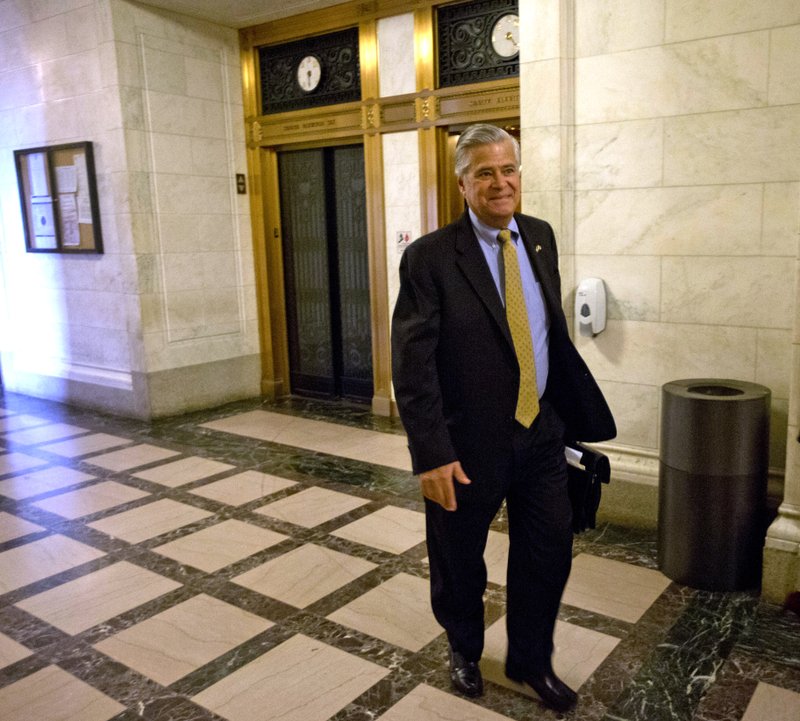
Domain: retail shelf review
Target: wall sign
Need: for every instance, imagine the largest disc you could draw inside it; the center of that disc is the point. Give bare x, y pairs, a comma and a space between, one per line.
311, 72
478, 41
58, 195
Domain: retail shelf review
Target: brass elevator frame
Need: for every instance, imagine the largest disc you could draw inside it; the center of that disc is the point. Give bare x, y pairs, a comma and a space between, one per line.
429, 111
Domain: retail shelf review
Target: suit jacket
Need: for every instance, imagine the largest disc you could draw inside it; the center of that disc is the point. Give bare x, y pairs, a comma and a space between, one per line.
455, 372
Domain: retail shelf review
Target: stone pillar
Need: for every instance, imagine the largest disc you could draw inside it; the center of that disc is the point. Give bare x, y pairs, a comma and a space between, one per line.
781, 573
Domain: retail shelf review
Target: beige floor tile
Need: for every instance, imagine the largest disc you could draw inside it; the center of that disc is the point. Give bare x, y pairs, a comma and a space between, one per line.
426, 703
42, 434
311, 507
355, 443
397, 611
612, 588
12, 526
131, 457
96, 597
578, 653
44, 481
90, 499
773, 703
243, 487
186, 470
304, 575
16, 462
83, 445
39, 559
149, 521
390, 529
322, 679
11, 651
496, 557
16, 423
183, 638
220, 545
54, 695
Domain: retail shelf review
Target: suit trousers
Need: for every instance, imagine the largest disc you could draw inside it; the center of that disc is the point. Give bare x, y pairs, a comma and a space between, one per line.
534, 487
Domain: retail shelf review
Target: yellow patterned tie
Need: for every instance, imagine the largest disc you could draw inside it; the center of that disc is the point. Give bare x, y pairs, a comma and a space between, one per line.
517, 315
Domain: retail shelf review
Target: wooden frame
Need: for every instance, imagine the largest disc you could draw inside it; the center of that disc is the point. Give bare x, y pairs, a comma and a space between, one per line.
58, 196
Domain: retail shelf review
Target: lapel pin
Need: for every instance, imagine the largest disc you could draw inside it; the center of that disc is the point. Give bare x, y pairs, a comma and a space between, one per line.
538, 248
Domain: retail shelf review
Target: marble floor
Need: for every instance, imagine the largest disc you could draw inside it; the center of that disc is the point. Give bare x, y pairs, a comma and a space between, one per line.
266, 562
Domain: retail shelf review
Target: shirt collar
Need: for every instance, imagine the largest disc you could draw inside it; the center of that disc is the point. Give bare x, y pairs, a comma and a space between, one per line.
488, 234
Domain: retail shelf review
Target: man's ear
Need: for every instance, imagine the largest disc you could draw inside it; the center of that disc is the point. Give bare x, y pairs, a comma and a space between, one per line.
461, 185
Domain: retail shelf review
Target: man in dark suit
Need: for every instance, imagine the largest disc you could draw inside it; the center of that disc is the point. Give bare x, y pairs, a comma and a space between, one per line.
481, 431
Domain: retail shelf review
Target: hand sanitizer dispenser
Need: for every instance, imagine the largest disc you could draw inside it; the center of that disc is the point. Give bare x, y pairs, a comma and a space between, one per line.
590, 307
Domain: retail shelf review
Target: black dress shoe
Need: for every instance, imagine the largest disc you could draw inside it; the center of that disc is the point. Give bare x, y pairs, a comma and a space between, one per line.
555, 694
465, 675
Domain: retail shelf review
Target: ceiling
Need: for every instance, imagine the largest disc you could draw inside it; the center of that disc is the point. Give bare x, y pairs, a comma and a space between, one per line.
240, 13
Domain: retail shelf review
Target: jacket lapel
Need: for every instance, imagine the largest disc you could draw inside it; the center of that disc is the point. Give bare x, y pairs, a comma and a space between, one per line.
473, 264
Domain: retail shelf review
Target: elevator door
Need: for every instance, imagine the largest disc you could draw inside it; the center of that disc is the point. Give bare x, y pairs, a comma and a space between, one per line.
324, 222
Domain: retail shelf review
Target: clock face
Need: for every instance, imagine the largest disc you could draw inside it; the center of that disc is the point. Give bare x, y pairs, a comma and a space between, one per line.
309, 72
505, 36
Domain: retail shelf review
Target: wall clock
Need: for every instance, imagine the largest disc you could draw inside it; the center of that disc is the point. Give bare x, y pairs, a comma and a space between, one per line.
309, 73
477, 41
505, 36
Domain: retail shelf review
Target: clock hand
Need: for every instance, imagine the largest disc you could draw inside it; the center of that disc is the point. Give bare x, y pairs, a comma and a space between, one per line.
510, 37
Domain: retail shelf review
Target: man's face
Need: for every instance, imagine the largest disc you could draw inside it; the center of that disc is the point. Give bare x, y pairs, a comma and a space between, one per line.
491, 184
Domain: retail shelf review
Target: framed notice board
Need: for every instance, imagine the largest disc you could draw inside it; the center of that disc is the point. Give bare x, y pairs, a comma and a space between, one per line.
58, 194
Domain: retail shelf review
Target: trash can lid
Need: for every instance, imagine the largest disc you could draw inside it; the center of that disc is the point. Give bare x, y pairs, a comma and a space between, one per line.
716, 389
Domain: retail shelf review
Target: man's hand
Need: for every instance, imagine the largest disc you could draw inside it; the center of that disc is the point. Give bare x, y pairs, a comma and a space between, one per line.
437, 484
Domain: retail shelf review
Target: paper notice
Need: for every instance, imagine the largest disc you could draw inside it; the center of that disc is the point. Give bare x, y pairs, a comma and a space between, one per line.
37, 173
69, 220
67, 179
44, 229
84, 198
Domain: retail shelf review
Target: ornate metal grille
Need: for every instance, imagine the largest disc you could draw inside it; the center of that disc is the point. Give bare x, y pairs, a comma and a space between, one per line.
464, 33
340, 81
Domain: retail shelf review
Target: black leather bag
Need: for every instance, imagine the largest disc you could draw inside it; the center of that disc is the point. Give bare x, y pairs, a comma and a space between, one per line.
587, 471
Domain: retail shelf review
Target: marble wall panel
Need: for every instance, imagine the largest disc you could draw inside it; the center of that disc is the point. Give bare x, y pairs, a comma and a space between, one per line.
783, 66
402, 205
774, 361
706, 220
21, 87
636, 409
181, 114
204, 78
164, 71
612, 26
396, 69
212, 157
746, 146
687, 19
757, 292
545, 205
647, 353
172, 153
540, 29
717, 74
781, 225
619, 155
80, 75
633, 284
541, 158
540, 96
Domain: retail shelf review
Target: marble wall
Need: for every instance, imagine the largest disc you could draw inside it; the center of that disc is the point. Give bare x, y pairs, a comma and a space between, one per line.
165, 320
65, 318
662, 138
401, 162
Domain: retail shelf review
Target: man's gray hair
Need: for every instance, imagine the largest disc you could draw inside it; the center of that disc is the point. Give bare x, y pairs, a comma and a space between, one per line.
481, 134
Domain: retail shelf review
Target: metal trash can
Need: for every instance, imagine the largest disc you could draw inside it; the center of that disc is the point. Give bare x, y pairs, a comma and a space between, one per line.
714, 456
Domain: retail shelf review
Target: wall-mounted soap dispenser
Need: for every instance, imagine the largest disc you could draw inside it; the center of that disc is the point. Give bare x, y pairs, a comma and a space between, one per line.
590, 307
